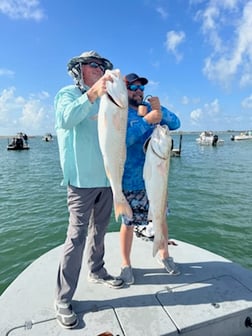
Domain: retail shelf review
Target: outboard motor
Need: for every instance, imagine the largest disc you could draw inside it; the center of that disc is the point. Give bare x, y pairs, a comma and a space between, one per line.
19, 143
215, 140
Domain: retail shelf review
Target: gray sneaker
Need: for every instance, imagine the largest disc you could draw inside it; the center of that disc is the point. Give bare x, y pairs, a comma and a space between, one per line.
65, 315
127, 275
107, 280
170, 266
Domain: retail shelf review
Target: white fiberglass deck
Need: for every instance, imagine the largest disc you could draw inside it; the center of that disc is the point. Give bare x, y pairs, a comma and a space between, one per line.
212, 296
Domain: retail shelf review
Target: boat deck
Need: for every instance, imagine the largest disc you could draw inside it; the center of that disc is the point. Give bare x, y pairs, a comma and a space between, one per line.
212, 296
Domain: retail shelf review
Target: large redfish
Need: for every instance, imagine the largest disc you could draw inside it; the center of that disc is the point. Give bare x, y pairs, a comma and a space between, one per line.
112, 125
156, 171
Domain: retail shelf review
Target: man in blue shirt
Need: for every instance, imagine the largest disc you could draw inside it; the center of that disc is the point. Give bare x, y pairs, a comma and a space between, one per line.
89, 193
139, 129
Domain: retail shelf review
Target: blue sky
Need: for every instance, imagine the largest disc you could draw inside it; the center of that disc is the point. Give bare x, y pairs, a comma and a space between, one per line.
197, 55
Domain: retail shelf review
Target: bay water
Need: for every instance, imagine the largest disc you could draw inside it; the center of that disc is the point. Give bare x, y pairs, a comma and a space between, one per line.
210, 201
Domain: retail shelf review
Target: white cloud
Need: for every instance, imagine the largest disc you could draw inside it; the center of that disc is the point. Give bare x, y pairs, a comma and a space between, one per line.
185, 100
207, 114
22, 9
162, 12
213, 108
33, 114
196, 115
153, 84
7, 72
231, 56
246, 78
247, 102
173, 40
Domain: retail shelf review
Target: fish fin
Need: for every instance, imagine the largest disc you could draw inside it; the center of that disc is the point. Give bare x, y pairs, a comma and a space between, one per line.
122, 208
158, 243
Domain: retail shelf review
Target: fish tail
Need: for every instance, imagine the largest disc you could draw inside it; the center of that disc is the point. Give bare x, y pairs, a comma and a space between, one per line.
122, 208
158, 243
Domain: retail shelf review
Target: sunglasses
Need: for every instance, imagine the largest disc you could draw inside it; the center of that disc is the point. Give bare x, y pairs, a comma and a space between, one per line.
96, 65
134, 87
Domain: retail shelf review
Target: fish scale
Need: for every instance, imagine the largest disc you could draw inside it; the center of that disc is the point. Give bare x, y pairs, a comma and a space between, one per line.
155, 173
112, 126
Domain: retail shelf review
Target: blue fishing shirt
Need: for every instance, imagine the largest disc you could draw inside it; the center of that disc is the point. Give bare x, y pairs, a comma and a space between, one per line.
138, 131
77, 133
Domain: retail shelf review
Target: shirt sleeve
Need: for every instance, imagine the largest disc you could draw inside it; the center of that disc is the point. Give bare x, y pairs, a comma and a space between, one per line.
71, 107
170, 119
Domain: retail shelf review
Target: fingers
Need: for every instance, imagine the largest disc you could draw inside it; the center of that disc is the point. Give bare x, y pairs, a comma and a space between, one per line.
107, 77
155, 103
101, 85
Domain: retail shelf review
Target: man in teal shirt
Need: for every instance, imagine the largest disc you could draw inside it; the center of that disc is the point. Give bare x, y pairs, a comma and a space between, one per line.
89, 196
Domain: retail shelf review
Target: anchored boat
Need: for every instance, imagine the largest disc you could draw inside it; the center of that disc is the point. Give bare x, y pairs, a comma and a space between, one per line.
19, 142
242, 136
208, 138
47, 137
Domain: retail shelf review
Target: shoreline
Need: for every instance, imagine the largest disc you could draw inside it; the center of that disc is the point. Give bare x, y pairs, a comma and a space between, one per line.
172, 132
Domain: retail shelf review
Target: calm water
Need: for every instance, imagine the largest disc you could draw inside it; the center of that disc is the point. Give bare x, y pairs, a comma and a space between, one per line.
210, 197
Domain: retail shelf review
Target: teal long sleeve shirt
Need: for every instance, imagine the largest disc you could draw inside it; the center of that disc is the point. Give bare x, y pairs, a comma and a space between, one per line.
77, 133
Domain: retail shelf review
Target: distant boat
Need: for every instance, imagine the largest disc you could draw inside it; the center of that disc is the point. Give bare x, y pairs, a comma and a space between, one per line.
47, 137
208, 138
19, 142
242, 136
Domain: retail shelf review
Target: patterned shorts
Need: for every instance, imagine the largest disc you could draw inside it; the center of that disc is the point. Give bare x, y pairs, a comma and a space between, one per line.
139, 204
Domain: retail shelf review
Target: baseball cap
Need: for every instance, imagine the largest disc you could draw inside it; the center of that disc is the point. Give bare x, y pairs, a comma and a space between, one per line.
132, 77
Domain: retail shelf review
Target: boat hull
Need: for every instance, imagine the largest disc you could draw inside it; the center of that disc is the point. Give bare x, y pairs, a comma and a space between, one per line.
10, 147
209, 142
241, 138
208, 138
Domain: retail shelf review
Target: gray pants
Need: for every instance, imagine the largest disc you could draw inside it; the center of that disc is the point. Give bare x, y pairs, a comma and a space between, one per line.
89, 215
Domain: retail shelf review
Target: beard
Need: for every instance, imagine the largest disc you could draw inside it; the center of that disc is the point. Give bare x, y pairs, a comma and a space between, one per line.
135, 102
